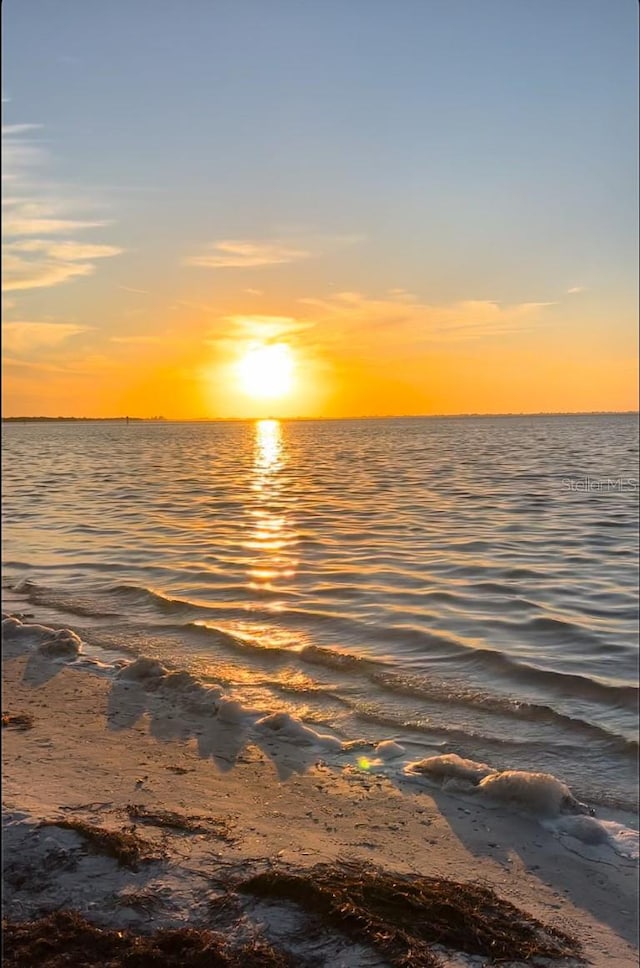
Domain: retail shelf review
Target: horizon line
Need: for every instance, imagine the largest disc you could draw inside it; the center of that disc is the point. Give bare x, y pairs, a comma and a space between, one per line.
374, 416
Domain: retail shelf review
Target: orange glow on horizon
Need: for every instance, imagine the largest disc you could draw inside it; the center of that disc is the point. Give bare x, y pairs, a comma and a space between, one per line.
253, 367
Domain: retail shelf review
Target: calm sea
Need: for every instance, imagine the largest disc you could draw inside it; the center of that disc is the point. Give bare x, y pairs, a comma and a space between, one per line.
462, 585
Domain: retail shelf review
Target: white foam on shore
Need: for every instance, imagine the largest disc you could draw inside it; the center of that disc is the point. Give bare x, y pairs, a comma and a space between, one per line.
175, 686
233, 712
294, 730
142, 670
624, 841
193, 695
538, 794
209, 700
389, 750
594, 833
449, 766
50, 643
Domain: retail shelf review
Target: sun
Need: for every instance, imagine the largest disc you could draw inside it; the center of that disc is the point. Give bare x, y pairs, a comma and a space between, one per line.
266, 371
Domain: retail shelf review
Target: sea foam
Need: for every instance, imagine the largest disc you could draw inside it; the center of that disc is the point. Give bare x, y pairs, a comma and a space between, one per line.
538, 793
50, 643
142, 670
449, 766
596, 833
389, 750
294, 730
175, 686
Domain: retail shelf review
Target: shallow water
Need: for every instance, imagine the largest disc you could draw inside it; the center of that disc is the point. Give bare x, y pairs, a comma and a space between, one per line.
461, 585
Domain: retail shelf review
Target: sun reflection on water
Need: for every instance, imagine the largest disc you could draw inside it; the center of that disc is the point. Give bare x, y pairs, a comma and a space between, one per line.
268, 452
271, 536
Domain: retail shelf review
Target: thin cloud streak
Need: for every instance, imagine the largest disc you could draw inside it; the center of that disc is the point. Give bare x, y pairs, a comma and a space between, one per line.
18, 225
65, 251
244, 254
9, 362
25, 335
136, 339
23, 274
248, 254
9, 130
140, 292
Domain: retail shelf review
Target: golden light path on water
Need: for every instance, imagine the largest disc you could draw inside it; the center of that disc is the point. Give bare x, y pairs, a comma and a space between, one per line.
271, 535
269, 559
271, 543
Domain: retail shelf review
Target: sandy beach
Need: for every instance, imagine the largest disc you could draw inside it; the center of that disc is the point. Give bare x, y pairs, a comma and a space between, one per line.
92, 747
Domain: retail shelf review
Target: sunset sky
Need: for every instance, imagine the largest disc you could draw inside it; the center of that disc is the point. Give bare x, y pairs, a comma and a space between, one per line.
234, 208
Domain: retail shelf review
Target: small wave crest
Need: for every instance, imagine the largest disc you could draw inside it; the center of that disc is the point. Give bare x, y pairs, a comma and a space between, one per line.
334, 659
449, 692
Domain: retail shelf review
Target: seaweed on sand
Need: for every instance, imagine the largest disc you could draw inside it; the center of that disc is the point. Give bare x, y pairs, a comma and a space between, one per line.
17, 720
213, 826
66, 939
125, 847
402, 915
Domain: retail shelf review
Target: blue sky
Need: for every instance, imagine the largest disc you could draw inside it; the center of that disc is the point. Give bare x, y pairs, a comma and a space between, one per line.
459, 150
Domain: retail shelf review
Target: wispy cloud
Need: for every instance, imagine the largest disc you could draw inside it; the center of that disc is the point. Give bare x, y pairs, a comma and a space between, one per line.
9, 362
13, 129
140, 292
20, 274
25, 336
18, 223
243, 254
65, 251
37, 209
260, 328
575, 289
394, 325
137, 339
248, 254
369, 324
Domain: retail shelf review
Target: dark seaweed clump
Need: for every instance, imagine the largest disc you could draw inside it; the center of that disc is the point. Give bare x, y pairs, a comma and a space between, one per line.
17, 720
125, 847
404, 915
66, 939
212, 826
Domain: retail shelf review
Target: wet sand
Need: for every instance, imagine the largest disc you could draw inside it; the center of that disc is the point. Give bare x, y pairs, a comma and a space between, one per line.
91, 754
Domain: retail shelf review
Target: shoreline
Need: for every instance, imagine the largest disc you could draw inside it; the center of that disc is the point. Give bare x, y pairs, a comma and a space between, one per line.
92, 752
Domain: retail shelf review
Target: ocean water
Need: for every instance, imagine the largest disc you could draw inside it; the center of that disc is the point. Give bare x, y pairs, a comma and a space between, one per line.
461, 586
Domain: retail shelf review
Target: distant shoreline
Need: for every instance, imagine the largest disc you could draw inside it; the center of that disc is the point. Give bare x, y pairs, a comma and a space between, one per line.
408, 416
83, 419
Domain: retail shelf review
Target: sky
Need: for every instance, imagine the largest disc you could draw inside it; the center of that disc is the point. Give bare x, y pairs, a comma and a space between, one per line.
241, 208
